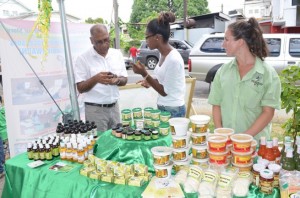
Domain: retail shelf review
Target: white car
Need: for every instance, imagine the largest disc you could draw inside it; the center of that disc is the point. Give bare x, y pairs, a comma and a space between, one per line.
207, 55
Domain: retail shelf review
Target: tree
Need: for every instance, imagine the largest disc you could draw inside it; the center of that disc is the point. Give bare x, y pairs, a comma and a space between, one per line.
94, 21
145, 10
142, 9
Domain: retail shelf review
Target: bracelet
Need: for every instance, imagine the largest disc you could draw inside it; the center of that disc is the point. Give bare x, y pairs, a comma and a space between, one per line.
145, 78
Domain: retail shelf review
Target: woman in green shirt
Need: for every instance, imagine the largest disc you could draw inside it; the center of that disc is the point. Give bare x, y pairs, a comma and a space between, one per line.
246, 91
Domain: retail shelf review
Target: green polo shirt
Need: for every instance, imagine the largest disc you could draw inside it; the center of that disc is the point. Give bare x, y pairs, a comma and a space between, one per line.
242, 101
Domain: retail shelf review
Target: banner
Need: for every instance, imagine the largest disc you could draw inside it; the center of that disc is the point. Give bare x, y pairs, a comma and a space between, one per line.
30, 111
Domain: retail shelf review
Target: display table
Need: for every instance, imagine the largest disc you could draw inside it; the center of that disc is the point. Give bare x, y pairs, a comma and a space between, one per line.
110, 147
23, 182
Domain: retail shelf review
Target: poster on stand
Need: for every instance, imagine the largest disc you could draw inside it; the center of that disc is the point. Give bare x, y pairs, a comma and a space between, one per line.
30, 111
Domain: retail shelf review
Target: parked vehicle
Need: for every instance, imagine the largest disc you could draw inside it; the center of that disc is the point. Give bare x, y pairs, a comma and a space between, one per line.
150, 57
207, 55
127, 62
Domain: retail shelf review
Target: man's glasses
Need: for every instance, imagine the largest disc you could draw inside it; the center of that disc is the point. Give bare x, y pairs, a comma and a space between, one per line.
101, 42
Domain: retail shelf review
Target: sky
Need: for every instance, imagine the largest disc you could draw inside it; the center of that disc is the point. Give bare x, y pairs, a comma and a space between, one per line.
104, 8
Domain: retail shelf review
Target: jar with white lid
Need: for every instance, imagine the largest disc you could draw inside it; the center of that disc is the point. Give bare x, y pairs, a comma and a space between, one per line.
266, 179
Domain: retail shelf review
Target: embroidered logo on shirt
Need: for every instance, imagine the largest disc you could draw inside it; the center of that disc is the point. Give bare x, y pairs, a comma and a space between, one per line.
257, 79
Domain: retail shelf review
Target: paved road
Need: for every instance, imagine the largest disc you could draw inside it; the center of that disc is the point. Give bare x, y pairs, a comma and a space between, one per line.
201, 88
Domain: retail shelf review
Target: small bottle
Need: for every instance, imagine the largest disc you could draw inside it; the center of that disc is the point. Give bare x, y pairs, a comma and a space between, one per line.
75, 153
42, 152
55, 150
62, 151
94, 129
93, 142
286, 139
276, 150
289, 163
36, 155
269, 154
85, 148
48, 152
69, 153
262, 147
296, 144
80, 154
90, 147
287, 145
30, 151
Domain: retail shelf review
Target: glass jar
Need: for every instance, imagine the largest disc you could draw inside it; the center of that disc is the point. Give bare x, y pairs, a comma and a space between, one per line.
266, 179
124, 135
130, 135
147, 136
119, 133
276, 169
137, 136
255, 172
154, 135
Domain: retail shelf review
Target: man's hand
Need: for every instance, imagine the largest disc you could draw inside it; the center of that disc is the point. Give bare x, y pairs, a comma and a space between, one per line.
105, 78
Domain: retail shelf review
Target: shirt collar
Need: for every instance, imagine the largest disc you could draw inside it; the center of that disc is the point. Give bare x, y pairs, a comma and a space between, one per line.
258, 67
95, 53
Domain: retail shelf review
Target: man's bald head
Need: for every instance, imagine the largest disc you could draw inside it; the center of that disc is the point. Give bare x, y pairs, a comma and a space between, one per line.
98, 29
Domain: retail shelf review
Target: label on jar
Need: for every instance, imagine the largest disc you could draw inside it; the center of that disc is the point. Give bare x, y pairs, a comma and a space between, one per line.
179, 143
242, 159
241, 147
217, 147
225, 181
179, 155
199, 154
161, 173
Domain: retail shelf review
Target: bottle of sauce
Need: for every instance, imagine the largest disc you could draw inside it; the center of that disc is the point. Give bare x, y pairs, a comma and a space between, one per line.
297, 158
262, 147
80, 154
69, 153
62, 151
55, 150
287, 145
42, 152
30, 151
269, 154
36, 155
276, 150
94, 130
48, 152
74, 153
289, 163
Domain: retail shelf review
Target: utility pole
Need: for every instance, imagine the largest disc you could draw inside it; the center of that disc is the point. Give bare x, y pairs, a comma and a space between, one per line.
184, 19
116, 16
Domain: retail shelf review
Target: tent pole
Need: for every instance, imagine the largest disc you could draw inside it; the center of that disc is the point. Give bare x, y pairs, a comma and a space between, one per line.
70, 73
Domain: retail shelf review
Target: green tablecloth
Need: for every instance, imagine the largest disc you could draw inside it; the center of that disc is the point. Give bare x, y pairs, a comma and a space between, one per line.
24, 182
129, 151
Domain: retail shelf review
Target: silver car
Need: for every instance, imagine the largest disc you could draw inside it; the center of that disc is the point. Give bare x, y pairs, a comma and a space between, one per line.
150, 57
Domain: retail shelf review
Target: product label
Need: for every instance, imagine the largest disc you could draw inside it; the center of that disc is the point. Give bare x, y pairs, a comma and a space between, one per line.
218, 159
225, 181
62, 154
30, 154
199, 154
42, 155
199, 128
161, 173
179, 155
48, 155
241, 147
199, 139
217, 147
179, 143
195, 173
210, 176
242, 159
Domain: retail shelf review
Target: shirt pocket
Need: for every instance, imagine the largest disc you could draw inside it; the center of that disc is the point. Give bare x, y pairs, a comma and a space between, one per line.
253, 96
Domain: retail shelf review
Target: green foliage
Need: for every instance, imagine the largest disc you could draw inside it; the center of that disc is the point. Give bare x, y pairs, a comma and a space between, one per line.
94, 21
290, 98
145, 10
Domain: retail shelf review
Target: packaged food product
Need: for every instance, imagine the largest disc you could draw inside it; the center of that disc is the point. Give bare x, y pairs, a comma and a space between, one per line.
199, 123
225, 131
193, 179
241, 184
179, 126
217, 143
198, 138
225, 183
208, 185
241, 142
163, 171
